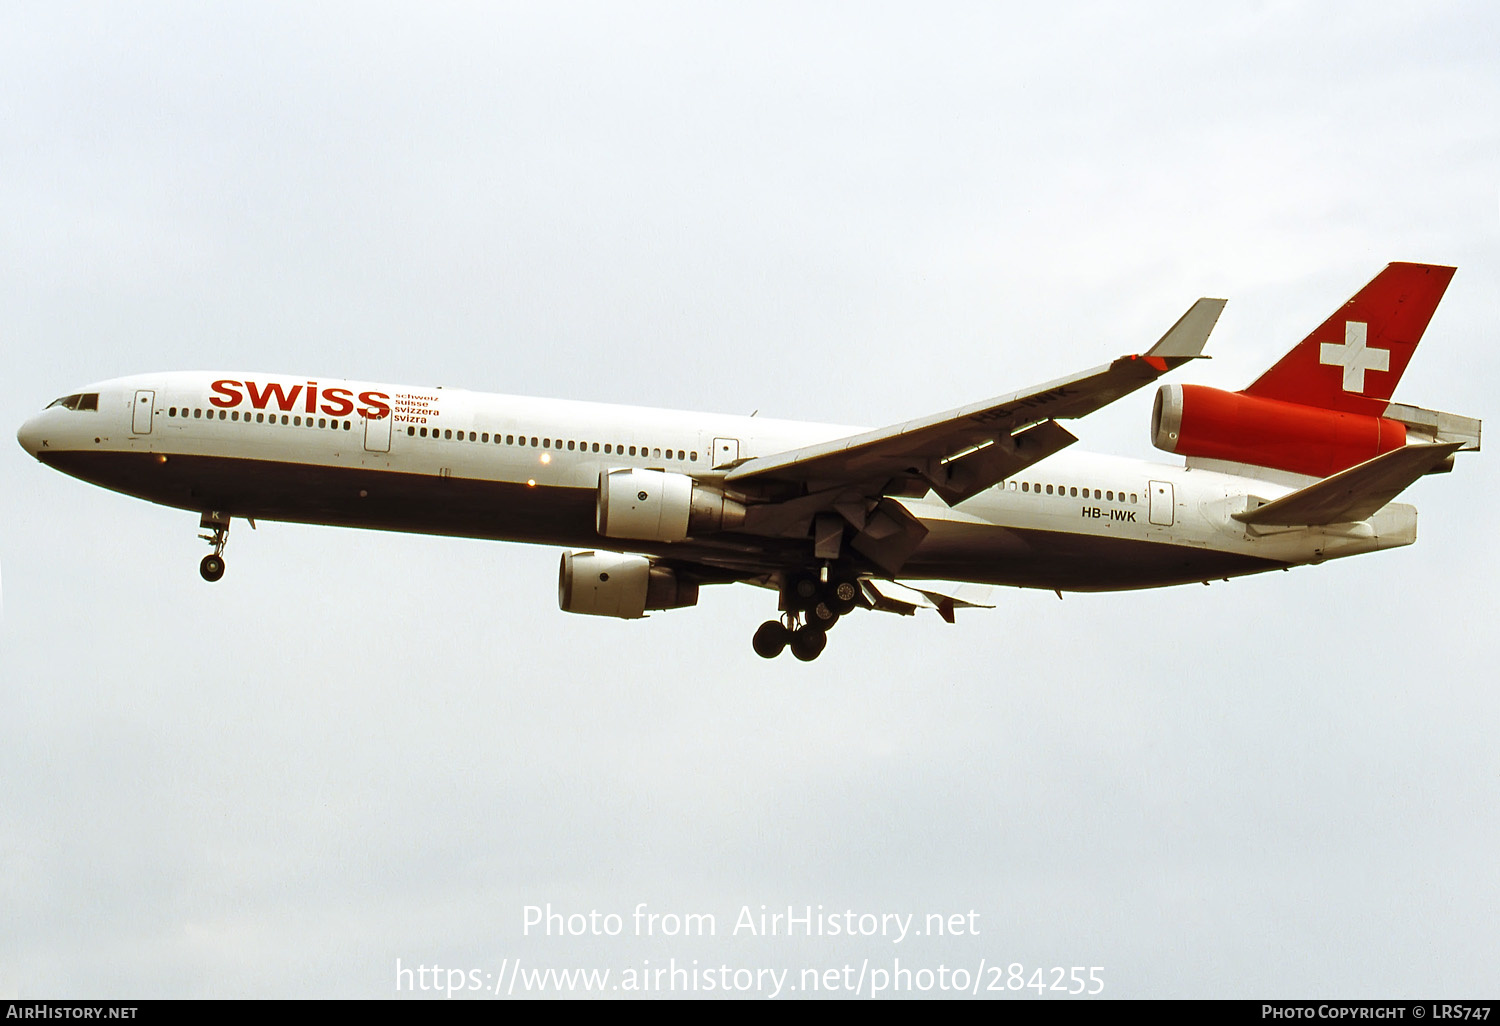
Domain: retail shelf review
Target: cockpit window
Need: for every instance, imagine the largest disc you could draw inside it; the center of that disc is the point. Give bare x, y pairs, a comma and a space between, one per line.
77, 401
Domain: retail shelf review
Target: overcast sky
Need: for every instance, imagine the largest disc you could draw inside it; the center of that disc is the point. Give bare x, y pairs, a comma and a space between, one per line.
361, 747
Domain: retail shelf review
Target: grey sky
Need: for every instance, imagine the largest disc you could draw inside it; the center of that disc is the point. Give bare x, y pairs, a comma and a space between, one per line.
361, 747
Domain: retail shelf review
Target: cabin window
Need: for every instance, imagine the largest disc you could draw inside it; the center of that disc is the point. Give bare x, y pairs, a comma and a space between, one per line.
1109, 496
197, 413
693, 456
485, 437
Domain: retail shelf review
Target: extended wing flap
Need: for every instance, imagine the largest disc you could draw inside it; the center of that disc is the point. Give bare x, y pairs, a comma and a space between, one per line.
1354, 494
970, 473
906, 599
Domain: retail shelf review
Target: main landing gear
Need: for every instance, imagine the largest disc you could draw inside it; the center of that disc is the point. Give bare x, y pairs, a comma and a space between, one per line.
212, 567
812, 607
806, 641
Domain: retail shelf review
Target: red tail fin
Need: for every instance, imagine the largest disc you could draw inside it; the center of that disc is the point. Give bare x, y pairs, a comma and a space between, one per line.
1353, 361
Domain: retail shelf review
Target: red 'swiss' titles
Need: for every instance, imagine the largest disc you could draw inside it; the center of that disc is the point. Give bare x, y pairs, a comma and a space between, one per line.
336, 402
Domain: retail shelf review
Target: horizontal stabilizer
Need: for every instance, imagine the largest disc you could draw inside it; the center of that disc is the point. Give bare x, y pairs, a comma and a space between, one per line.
1354, 494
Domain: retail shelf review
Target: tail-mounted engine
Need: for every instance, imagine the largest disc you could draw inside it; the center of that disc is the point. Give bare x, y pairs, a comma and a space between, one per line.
1195, 420
613, 584
654, 505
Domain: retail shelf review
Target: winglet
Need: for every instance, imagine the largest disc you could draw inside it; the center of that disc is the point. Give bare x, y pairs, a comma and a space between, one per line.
1185, 339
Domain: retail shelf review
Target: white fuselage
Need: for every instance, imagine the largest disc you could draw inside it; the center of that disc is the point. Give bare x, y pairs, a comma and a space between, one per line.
449, 461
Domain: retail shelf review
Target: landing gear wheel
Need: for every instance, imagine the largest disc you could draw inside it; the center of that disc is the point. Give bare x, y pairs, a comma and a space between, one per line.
843, 595
212, 567
770, 638
803, 593
808, 643
823, 615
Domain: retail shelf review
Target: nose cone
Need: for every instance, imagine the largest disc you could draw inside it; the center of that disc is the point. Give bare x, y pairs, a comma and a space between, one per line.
30, 435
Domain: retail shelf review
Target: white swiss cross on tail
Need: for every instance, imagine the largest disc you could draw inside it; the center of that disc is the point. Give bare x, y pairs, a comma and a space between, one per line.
1354, 356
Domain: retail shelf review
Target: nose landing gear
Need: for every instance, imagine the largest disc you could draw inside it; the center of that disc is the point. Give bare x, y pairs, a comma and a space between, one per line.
212, 566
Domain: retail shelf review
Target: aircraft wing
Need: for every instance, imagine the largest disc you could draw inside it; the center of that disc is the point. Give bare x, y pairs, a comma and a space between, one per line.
961, 452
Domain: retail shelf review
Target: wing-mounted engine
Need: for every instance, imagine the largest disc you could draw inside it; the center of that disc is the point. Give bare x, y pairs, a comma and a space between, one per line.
1195, 420
656, 505
614, 584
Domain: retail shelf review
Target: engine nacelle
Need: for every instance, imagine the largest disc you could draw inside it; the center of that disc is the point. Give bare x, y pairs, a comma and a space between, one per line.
614, 584
1195, 420
655, 505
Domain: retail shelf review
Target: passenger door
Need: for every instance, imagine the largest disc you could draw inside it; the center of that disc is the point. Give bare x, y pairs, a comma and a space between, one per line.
140, 416
1161, 503
726, 451
378, 433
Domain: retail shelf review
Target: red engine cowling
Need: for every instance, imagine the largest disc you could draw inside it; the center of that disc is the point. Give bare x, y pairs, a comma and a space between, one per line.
1195, 420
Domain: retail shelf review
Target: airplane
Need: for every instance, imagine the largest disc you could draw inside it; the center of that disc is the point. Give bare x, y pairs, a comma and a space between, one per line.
1297, 468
